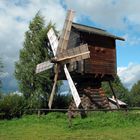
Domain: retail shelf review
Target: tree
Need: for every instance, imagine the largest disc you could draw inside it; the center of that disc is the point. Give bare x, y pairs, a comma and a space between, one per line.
122, 93
35, 87
1, 70
135, 94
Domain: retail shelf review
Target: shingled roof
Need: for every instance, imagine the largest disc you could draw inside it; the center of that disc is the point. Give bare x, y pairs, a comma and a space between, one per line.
94, 30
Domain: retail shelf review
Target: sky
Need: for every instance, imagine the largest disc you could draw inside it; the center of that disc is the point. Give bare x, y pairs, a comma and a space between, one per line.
119, 17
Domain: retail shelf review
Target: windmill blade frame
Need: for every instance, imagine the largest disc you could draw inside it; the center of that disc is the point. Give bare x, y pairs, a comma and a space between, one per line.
62, 44
75, 54
53, 40
62, 55
44, 66
72, 87
54, 44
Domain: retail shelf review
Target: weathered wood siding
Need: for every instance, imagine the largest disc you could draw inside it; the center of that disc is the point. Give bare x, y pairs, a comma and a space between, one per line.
74, 39
102, 54
102, 61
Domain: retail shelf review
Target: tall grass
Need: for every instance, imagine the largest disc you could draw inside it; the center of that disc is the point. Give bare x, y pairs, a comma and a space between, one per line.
109, 119
98, 125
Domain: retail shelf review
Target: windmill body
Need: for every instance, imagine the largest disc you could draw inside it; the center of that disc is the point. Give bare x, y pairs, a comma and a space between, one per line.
100, 67
86, 56
102, 46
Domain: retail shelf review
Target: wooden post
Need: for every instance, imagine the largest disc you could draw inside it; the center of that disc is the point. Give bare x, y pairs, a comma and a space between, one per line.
70, 118
38, 113
118, 106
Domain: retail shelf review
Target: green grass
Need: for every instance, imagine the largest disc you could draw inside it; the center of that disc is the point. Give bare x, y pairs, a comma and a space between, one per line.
54, 126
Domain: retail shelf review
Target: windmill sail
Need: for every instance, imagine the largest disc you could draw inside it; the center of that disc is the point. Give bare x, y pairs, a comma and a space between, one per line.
62, 44
72, 87
53, 40
62, 55
65, 32
44, 66
74, 54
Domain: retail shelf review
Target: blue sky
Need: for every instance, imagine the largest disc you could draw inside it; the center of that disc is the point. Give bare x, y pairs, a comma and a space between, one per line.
119, 17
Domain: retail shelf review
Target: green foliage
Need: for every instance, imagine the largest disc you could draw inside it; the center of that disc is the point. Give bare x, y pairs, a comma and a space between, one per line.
54, 126
11, 106
1, 95
35, 87
135, 94
1, 70
121, 92
62, 101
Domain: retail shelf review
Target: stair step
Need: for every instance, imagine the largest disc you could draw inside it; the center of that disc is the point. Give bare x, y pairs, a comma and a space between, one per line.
99, 99
97, 95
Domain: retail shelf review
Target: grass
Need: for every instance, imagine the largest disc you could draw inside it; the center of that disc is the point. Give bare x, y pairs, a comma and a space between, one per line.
54, 126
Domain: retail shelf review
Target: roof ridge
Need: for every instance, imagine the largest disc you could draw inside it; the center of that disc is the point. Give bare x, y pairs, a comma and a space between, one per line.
95, 30
89, 26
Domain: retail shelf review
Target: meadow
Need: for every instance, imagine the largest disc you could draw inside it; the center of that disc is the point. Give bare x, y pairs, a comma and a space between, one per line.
54, 126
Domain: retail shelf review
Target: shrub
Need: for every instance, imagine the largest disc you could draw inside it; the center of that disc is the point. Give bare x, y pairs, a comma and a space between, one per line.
12, 105
62, 101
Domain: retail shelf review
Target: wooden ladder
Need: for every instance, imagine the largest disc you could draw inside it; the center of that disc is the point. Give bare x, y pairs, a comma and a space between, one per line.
98, 98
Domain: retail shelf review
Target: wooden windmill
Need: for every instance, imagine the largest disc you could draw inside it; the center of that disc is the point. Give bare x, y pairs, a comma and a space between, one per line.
90, 55
63, 56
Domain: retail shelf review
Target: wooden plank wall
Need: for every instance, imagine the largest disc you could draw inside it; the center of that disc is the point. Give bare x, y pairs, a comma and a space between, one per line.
102, 61
102, 54
74, 39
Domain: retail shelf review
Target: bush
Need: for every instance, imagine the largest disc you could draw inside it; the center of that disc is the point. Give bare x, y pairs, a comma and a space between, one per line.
62, 101
11, 106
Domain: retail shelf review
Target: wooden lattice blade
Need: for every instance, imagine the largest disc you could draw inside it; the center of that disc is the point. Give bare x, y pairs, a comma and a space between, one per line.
44, 66
65, 32
74, 54
53, 40
54, 44
72, 87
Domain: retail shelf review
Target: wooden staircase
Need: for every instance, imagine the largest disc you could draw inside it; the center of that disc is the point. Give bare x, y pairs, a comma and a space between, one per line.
97, 97
93, 98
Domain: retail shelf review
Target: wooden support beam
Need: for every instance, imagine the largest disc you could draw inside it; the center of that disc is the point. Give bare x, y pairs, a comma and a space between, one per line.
118, 106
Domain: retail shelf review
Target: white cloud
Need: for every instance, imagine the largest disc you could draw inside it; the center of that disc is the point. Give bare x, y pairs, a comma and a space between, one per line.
132, 40
121, 16
4, 74
109, 13
129, 75
15, 17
